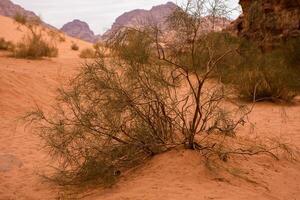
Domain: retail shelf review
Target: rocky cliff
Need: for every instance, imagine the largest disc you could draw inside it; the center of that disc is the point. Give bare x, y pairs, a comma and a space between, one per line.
269, 21
79, 29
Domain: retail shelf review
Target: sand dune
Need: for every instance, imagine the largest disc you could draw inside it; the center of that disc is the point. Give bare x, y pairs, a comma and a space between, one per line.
12, 31
174, 175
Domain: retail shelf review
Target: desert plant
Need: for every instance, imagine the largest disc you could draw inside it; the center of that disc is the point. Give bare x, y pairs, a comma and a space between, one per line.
34, 45
88, 53
119, 111
74, 47
6, 45
263, 76
21, 18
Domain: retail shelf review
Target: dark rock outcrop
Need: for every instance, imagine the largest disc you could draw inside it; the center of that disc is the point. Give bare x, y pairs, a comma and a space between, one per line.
268, 21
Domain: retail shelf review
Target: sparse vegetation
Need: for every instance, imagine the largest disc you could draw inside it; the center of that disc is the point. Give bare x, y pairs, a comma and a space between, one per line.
34, 44
21, 18
151, 96
34, 47
261, 76
74, 47
88, 53
6, 45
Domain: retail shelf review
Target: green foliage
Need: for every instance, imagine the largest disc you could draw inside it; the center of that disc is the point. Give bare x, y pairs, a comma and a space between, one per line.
6, 45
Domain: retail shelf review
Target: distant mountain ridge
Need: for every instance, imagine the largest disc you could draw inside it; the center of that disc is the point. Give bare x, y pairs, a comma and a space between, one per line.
81, 30
158, 15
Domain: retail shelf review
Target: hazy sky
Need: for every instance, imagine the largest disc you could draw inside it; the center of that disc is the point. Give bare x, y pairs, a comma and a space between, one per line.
99, 14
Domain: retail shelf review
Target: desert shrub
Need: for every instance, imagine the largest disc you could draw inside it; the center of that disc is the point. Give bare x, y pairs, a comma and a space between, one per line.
74, 47
261, 85
34, 47
263, 76
291, 51
88, 53
62, 38
6, 45
120, 111
115, 115
132, 48
21, 18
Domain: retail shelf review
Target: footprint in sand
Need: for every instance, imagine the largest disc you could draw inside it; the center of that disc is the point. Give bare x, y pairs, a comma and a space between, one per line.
9, 162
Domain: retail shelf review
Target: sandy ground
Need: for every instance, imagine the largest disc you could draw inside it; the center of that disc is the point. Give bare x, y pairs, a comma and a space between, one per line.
21, 155
14, 32
174, 175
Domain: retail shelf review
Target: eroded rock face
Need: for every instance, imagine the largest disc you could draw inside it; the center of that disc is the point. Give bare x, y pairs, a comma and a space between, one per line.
269, 21
79, 29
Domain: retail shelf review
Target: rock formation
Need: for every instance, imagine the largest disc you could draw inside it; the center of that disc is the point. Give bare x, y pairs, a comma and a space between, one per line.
79, 29
269, 21
157, 14
9, 9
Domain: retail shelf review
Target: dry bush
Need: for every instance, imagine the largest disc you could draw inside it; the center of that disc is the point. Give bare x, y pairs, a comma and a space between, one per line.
6, 45
88, 53
263, 76
143, 100
34, 47
21, 18
34, 44
56, 35
74, 47
98, 50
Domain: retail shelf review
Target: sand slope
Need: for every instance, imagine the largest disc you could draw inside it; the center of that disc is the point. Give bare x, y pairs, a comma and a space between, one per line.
13, 31
174, 175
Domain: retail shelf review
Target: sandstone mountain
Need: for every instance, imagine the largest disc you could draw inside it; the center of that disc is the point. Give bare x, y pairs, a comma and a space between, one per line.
9, 9
156, 14
79, 29
269, 21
